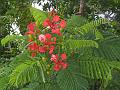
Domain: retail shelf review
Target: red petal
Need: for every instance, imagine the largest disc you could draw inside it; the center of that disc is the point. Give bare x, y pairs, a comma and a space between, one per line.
64, 65
33, 54
62, 23
57, 67
42, 49
54, 58
31, 27
46, 22
51, 49
56, 18
63, 56
48, 36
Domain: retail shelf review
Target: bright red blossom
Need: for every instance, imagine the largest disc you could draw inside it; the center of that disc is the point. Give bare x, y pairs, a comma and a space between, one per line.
33, 47
46, 23
63, 56
62, 23
30, 28
56, 31
59, 64
45, 43
42, 49
57, 67
56, 18
48, 36
64, 65
51, 49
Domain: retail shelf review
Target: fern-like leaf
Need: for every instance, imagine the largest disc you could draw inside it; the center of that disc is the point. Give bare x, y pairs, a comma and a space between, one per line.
95, 69
74, 44
91, 25
23, 74
4, 83
70, 79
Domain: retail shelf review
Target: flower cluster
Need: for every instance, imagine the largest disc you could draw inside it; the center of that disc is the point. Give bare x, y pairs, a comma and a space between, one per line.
45, 42
58, 64
55, 24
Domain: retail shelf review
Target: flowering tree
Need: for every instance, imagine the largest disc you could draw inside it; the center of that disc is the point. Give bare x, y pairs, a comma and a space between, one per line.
60, 54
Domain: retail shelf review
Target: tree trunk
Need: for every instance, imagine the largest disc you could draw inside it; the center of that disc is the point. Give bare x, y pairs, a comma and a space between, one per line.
81, 8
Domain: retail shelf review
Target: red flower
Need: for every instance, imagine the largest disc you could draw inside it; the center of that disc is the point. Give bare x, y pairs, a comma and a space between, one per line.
46, 23
51, 49
57, 67
54, 58
33, 54
42, 49
56, 31
63, 56
55, 18
29, 32
42, 38
31, 27
64, 65
62, 23
48, 36
33, 46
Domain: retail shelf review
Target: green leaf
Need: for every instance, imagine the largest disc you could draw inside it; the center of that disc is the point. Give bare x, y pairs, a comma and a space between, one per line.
95, 69
23, 73
109, 48
52, 85
4, 83
74, 44
70, 79
10, 38
92, 25
38, 15
115, 64
98, 35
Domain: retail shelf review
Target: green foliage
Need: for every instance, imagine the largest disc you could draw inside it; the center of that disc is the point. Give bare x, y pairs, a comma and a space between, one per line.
10, 38
114, 84
88, 62
95, 69
22, 74
4, 83
109, 48
71, 79
38, 15
92, 25
74, 44
25, 73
